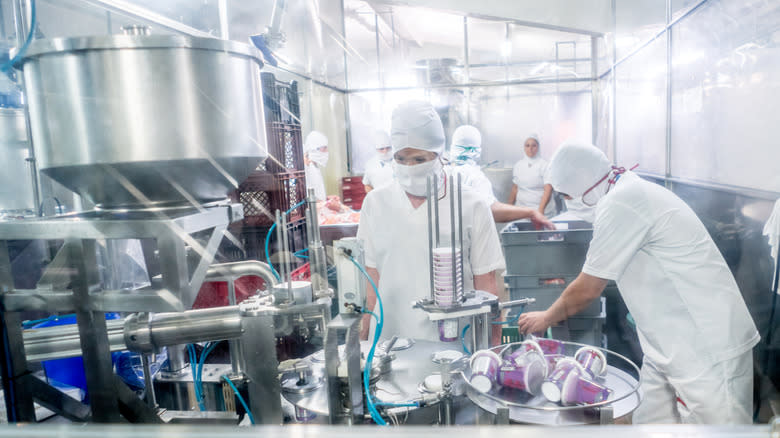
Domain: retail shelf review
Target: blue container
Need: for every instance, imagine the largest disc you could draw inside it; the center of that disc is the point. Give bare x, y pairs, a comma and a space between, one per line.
69, 371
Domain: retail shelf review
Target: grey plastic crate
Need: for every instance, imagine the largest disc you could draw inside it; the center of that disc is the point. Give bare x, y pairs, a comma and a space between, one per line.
581, 330
545, 253
546, 295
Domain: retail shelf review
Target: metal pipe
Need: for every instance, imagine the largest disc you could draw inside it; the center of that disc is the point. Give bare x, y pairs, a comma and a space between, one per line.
63, 341
235, 346
455, 287
430, 233
279, 247
436, 207
460, 228
287, 261
127, 8
234, 270
151, 400
224, 28
150, 332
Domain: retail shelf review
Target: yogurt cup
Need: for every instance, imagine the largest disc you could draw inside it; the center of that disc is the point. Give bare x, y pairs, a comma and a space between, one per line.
586, 392
563, 379
593, 360
484, 370
526, 373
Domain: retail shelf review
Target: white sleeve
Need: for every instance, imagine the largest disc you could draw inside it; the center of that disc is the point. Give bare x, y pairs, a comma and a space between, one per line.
543, 172
366, 231
367, 178
515, 174
486, 254
619, 232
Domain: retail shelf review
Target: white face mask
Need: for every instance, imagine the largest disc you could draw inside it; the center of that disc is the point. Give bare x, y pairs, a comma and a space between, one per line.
414, 179
321, 158
386, 156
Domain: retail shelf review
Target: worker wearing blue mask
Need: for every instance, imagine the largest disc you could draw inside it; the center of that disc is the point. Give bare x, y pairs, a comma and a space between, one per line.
379, 169
466, 151
694, 327
394, 227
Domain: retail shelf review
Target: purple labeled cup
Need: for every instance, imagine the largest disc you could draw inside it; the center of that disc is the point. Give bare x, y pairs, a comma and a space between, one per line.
552, 361
550, 346
593, 360
526, 373
586, 392
484, 370
563, 378
448, 330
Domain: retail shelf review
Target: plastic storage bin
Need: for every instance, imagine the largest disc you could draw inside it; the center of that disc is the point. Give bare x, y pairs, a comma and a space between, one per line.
548, 254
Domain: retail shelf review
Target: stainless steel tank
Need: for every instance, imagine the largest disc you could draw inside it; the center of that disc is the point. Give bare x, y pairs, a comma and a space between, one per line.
134, 121
16, 193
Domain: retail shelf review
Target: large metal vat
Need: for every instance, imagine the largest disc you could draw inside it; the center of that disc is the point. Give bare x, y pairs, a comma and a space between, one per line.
132, 121
16, 197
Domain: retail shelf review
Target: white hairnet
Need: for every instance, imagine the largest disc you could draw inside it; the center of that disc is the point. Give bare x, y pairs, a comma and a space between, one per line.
534, 136
381, 139
314, 140
575, 167
466, 135
416, 125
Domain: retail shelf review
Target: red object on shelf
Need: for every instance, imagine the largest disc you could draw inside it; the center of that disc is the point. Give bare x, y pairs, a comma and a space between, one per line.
353, 191
302, 274
215, 293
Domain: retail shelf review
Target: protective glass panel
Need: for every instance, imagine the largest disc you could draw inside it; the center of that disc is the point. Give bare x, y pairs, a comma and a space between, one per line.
641, 109
725, 90
636, 23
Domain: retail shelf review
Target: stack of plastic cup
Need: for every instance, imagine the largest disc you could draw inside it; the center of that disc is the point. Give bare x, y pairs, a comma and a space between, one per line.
447, 290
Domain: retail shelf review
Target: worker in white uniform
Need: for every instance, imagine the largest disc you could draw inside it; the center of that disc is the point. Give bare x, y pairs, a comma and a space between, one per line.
693, 325
466, 151
394, 227
315, 158
379, 169
529, 188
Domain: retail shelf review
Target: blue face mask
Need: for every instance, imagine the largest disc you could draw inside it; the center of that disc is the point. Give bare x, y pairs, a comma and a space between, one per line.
466, 154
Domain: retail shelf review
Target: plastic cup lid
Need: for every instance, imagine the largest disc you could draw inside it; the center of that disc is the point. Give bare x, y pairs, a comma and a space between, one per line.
481, 383
551, 392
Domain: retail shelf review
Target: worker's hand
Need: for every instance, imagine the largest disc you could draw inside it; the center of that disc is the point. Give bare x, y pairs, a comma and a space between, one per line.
540, 221
533, 322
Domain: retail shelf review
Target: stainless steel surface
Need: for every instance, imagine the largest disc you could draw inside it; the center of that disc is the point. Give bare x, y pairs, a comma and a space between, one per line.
131, 9
410, 368
151, 400
234, 270
16, 185
62, 341
150, 331
186, 126
344, 392
460, 224
317, 262
457, 286
319, 431
258, 345
430, 235
622, 378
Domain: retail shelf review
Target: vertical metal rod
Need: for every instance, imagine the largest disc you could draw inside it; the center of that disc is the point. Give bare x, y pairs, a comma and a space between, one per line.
235, 345
428, 193
474, 329
151, 400
669, 33
279, 243
451, 194
436, 207
594, 89
224, 29
467, 67
287, 261
378, 58
460, 230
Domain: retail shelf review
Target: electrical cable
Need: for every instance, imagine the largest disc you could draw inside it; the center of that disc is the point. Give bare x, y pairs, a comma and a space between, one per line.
513, 320
240, 398
22, 50
194, 370
209, 348
268, 240
377, 333
29, 324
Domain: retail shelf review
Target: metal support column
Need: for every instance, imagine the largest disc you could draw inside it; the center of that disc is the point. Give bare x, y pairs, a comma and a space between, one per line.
98, 369
13, 364
345, 396
258, 344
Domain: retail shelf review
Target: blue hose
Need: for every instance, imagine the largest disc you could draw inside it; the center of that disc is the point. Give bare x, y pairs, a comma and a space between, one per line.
240, 398
377, 333
463, 339
22, 50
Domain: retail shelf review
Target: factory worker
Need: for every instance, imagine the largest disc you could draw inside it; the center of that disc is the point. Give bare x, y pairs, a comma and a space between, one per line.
693, 325
466, 151
529, 189
315, 158
379, 169
394, 227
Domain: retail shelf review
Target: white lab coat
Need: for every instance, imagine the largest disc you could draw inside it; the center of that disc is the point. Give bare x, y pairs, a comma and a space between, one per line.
396, 244
528, 176
315, 181
473, 178
378, 172
690, 316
